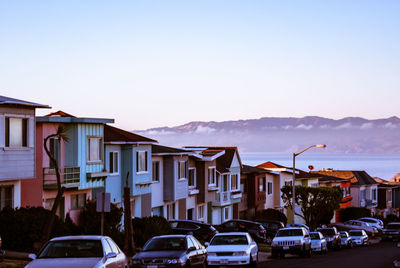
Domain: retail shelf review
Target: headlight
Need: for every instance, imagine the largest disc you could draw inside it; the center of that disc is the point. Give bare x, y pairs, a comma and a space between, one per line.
239, 253
173, 261
297, 242
212, 254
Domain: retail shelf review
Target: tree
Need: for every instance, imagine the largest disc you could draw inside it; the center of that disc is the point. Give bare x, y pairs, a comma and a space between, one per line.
315, 202
61, 135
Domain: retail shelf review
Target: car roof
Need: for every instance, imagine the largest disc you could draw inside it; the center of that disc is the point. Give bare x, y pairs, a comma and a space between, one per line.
79, 237
292, 228
171, 236
245, 221
231, 233
191, 221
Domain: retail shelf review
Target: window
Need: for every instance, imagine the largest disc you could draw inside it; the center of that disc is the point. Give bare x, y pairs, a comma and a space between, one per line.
261, 184
158, 211
78, 201
113, 162
389, 195
269, 188
234, 182
211, 176
6, 196
288, 183
225, 183
182, 167
373, 194
54, 144
190, 214
156, 171
200, 212
192, 177
226, 213
94, 149
16, 132
244, 187
362, 194
141, 161
171, 211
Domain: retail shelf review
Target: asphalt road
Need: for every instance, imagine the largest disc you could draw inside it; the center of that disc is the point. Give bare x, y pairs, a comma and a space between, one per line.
381, 255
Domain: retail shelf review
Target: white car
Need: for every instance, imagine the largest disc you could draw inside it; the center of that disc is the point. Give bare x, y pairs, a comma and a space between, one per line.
318, 242
79, 251
377, 223
293, 240
236, 248
359, 237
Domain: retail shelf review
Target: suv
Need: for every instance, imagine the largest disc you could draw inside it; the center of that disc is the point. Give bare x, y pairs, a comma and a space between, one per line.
377, 223
391, 231
271, 227
294, 240
202, 231
332, 237
255, 229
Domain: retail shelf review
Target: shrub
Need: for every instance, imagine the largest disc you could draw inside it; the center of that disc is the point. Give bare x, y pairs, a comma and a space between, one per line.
353, 213
147, 227
271, 214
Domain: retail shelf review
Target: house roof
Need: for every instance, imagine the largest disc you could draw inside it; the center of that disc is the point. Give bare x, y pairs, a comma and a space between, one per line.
116, 135
165, 150
63, 117
276, 167
250, 170
11, 101
204, 153
356, 177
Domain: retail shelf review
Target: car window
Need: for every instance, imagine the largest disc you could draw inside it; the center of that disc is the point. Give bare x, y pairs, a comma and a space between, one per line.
230, 224
165, 243
229, 240
107, 248
196, 242
113, 246
290, 232
190, 243
174, 224
315, 236
72, 249
187, 225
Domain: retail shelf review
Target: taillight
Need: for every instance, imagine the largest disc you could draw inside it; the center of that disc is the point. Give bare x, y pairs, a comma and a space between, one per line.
261, 231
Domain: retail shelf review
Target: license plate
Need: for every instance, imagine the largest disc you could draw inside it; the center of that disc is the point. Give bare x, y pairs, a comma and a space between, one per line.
151, 266
224, 261
285, 247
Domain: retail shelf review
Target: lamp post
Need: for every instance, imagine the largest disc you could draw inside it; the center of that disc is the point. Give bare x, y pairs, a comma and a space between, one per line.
294, 174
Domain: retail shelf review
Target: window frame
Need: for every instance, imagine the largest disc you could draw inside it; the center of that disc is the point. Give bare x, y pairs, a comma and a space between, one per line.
139, 164
270, 187
111, 160
212, 181
24, 132
158, 173
200, 212
100, 151
194, 178
235, 178
75, 197
182, 164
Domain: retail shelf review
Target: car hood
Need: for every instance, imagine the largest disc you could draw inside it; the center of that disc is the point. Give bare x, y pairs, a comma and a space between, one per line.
64, 263
227, 248
159, 254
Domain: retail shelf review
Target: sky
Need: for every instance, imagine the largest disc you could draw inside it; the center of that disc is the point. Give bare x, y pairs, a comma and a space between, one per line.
165, 63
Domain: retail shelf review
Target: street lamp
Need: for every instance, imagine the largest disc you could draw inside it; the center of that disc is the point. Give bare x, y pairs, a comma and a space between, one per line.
294, 174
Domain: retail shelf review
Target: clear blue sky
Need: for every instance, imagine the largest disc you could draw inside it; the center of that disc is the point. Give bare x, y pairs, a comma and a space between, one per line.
164, 63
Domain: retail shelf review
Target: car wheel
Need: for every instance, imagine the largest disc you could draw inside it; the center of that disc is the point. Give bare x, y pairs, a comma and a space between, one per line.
303, 252
187, 264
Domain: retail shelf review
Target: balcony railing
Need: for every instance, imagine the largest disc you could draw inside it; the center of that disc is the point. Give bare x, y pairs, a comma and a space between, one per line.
227, 198
70, 177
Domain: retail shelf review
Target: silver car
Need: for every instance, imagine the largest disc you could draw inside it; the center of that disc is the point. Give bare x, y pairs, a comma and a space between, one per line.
360, 237
318, 242
79, 251
346, 239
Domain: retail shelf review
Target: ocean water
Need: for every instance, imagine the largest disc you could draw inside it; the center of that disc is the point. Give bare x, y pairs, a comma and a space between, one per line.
384, 166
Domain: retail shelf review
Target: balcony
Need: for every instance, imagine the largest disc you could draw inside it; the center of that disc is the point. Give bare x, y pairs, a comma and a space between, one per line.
226, 198
70, 177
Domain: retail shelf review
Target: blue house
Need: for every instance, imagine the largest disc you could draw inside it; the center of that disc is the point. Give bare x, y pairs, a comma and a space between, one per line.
128, 154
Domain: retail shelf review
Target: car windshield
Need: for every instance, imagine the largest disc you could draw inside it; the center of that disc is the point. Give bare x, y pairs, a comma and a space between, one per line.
325, 232
229, 240
393, 226
165, 243
343, 235
72, 249
290, 232
315, 236
356, 233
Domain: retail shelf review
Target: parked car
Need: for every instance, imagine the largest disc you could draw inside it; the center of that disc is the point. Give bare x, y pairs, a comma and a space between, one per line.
271, 227
202, 231
298, 225
318, 242
360, 237
236, 248
332, 237
255, 229
391, 231
79, 251
294, 240
357, 225
171, 251
377, 223
346, 240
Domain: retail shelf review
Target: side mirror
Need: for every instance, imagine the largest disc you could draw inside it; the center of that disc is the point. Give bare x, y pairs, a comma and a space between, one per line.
32, 256
206, 244
111, 255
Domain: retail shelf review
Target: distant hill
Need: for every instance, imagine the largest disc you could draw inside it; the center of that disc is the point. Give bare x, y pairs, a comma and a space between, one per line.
287, 134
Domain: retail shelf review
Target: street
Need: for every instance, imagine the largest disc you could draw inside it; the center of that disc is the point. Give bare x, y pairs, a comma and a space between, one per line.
379, 255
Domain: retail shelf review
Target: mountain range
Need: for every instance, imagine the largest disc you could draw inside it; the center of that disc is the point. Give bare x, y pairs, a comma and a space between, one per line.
287, 134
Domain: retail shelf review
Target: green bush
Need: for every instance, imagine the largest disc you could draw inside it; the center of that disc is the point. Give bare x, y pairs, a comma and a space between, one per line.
147, 227
353, 213
271, 214
20, 228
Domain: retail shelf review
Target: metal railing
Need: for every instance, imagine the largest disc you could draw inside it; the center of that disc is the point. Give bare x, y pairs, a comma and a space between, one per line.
70, 177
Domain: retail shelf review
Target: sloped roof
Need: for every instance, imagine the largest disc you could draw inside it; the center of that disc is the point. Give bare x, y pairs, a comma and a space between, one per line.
165, 150
356, 177
63, 117
210, 152
11, 101
270, 164
60, 114
246, 169
113, 134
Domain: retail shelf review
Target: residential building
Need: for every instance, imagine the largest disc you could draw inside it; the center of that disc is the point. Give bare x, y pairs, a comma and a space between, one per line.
17, 153
386, 199
129, 155
80, 161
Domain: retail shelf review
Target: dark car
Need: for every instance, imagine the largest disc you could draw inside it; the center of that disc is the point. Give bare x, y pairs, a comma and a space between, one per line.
171, 251
391, 231
271, 228
255, 229
202, 231
332, 237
